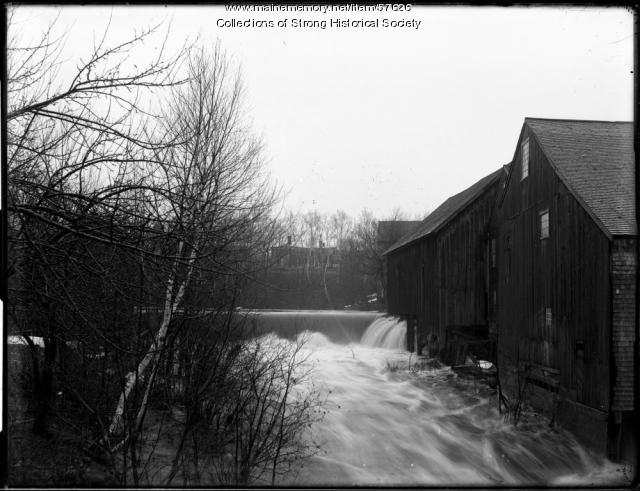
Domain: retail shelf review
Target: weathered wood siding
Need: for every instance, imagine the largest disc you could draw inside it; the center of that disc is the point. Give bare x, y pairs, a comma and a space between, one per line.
404, 275
553, 294
462, 293
441, 280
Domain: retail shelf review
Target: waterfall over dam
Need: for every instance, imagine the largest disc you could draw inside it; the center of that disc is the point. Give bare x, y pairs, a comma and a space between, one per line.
386, 332
339, 326
427, 426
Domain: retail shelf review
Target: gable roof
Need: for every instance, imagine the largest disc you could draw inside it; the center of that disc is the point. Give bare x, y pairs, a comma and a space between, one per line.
447, 211
596, 161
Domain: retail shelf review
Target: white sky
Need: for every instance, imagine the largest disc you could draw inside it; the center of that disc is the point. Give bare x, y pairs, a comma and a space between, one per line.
388, 118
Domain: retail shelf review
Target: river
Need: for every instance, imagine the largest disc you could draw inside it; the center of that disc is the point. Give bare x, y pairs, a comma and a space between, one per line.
389, 425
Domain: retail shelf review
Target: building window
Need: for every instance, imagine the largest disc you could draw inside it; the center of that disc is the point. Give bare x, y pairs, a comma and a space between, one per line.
544, 224
548, 317
524, 151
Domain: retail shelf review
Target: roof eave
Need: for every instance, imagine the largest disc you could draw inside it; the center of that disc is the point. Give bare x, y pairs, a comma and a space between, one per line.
404, 246
428, 235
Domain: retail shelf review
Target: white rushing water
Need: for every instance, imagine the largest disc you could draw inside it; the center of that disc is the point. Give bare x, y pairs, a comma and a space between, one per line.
386, 426
386, 332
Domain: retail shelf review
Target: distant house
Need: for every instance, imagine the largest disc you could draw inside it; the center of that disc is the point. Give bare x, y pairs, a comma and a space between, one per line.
436, 274
563, 276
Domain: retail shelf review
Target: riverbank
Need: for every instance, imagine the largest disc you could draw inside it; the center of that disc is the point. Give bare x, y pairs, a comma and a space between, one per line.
53, 459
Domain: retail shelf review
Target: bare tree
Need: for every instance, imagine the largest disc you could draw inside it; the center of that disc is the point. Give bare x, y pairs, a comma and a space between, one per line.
215, 188
340, 225
264, 415
75, 148
129, 233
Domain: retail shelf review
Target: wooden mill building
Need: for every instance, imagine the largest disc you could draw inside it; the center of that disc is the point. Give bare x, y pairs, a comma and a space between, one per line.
436, 274
565, 236
539, 257
388, 233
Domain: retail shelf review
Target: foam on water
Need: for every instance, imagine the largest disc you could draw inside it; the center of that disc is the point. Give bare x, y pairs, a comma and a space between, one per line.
391, 427
312, 339
386, 332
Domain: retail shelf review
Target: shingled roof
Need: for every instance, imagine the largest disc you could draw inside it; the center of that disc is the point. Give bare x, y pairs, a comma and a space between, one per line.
446, 211
595, 160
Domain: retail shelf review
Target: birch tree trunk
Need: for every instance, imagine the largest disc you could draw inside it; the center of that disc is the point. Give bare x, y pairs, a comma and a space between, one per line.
153, 353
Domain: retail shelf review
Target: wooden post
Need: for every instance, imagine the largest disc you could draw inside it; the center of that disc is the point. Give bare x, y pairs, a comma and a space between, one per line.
410, 333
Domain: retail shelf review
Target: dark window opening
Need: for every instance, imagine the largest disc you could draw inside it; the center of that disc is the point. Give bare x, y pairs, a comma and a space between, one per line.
580, 350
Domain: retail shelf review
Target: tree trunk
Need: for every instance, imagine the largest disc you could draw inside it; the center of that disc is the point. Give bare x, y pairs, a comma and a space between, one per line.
151, 357
44, 387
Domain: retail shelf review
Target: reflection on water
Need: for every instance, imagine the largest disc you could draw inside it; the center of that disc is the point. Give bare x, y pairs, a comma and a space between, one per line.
397, 427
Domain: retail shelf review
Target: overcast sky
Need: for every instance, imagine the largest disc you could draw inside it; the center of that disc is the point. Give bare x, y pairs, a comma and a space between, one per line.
395, 117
